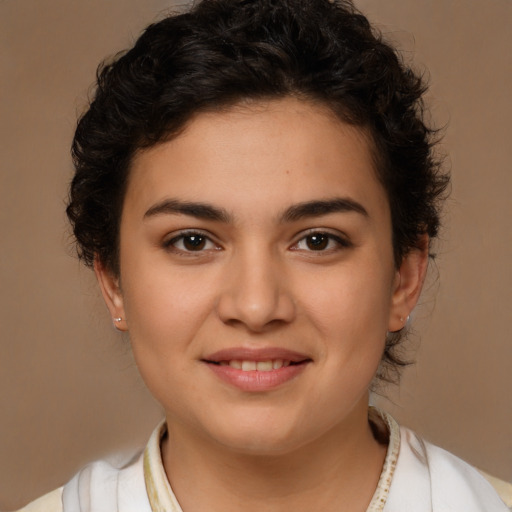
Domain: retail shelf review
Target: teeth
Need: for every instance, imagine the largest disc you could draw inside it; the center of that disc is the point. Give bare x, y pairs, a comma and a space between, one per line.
261, 366
248, 366
264, 366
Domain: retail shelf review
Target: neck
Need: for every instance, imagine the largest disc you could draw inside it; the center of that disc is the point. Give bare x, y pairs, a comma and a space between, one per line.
343, 466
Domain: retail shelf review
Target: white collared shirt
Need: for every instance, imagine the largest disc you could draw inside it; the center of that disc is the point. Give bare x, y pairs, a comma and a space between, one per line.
416, 477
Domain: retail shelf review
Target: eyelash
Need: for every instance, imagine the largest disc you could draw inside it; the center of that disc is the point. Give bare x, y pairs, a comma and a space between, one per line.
324, 236
339, 241
171, 244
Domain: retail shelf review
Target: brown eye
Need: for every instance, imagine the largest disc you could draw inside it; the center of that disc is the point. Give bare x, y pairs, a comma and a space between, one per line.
317, 241
322, 241
188, 242
194, 242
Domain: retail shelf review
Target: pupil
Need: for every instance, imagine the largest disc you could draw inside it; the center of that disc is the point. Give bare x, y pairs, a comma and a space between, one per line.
194, 242
317, 242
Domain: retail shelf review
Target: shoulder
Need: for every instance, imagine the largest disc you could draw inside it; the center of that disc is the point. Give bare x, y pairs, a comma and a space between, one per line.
448, 469
103, 487
51, 502
504, 489
433, 475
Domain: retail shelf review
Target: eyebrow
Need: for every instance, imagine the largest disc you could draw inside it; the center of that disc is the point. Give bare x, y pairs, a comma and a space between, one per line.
322, 207
199, 210
315, 208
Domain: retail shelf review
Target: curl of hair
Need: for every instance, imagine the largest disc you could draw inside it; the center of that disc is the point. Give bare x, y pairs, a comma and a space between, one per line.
223, 52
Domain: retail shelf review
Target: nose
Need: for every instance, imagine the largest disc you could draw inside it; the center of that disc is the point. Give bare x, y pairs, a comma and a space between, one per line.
256, 293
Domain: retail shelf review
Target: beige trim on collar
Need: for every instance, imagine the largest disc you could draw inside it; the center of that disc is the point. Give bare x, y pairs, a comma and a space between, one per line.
160, 494
386, 477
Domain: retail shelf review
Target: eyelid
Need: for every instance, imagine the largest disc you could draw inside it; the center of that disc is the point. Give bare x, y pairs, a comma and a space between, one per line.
172, 238
340, 238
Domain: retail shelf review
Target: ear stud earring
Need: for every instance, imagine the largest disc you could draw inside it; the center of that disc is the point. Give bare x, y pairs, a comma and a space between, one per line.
115, 321
403, 322
406, 320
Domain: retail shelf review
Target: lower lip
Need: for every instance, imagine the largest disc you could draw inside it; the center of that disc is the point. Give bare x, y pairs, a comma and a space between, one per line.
257, 381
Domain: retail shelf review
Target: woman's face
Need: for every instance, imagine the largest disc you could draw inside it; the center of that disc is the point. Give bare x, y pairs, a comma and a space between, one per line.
257, 278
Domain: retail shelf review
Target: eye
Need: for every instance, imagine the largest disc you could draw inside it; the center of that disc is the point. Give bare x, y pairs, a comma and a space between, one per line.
320, 241
191, 241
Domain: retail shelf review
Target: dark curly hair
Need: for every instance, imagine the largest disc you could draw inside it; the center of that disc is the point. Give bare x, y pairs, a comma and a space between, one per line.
222, 52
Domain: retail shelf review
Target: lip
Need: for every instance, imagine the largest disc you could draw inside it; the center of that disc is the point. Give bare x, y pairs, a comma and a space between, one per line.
253, 380
255, 354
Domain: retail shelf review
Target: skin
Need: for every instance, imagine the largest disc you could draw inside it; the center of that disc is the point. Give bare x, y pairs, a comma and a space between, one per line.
258, 279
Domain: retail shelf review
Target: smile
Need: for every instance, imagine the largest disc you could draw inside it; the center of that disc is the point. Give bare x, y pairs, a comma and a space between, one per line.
259, 366
257, 370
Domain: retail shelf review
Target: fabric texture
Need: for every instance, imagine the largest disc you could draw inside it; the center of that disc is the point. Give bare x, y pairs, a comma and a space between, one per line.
504, 489
430, 479
51, 502
416, 477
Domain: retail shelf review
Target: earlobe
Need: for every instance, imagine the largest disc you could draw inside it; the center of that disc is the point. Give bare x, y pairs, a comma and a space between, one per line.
408, 284
111, 291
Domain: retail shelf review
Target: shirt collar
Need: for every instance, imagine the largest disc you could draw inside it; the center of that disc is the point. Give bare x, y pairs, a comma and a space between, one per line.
162, 498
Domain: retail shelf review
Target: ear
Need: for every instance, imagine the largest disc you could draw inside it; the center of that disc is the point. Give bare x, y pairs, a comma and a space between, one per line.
408, 283
111, 291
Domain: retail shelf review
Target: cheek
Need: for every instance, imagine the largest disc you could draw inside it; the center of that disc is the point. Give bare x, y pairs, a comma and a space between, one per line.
349, 302
158, 295
168, 310
350, 312
163, 320
163, 314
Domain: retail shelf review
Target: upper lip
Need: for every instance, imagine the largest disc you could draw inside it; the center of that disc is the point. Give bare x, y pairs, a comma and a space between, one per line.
256, 354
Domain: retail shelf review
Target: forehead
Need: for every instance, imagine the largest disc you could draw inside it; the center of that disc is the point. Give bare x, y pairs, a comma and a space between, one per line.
267, 154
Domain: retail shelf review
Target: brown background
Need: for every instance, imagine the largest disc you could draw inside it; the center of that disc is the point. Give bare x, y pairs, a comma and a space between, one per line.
69, 391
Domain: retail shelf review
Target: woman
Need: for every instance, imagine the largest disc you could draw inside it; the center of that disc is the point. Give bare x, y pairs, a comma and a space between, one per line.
256, 190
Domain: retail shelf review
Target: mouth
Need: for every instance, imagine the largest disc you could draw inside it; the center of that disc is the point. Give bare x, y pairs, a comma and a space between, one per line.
257, 370
248, 365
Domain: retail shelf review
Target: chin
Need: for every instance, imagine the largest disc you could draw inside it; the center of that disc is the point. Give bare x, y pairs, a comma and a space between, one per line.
262, 444
261, 436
